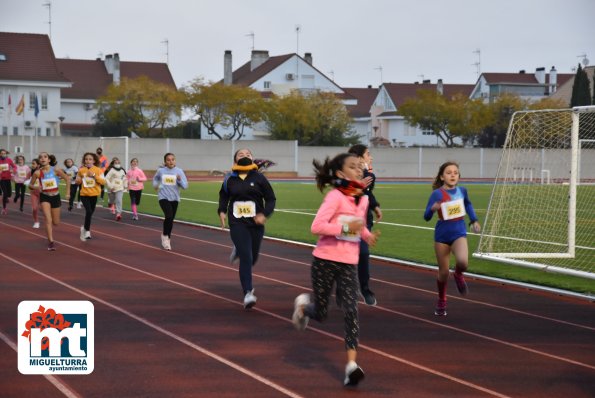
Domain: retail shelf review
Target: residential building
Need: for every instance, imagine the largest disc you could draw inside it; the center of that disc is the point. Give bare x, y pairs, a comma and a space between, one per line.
360, 111
528, 86
391, 129
564, 91
28, 72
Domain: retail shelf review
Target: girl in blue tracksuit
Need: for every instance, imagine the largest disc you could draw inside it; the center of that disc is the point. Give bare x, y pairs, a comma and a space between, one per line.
168, 180
450, 235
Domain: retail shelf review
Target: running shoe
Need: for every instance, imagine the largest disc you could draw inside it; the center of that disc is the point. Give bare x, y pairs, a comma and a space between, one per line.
51, 246
113, 208
165, 242
440, 308
369, 297
249, 299
461, 284
36, 225
4, 212
353, 375
300, 321
87, 235
118, 217
79, 205
82, 235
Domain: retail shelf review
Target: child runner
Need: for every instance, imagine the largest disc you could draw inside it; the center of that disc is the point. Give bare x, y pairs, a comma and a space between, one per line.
450, 235
135, 177
7, 167
71, 170
248, 198
369, 180
168, 180
90, 178
22, 174
34, 194
116, 184
340, 224
49, 197
103, 163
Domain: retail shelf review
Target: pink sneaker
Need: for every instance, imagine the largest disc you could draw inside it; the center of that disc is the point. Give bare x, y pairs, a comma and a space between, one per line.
118, 217
4, 212
461, 284
440, 308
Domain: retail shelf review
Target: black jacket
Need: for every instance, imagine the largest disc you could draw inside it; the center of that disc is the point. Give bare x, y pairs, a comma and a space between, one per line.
255, 187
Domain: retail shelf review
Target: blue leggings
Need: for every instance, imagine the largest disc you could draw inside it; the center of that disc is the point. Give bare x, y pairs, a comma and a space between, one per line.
247, 240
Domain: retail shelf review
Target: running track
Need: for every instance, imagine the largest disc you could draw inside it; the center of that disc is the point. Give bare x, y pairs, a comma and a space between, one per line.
171, 324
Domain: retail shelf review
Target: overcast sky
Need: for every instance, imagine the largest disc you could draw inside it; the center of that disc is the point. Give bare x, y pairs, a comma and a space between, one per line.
349, 39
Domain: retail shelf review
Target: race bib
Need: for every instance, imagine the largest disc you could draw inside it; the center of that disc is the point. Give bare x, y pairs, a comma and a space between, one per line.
88, 182
453, 209
3, 166
244, 209
48, 184
22, 173
168, 179
352, 236
117, 183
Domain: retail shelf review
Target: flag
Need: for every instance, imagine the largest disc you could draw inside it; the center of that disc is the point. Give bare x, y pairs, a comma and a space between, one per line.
36, 106
9, 104
20, 106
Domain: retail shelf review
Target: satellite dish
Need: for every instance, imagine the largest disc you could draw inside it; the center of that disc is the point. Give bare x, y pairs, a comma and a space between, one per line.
585, 61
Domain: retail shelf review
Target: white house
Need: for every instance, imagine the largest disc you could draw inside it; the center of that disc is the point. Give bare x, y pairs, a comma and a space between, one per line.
391, 129
278, 75
28, 73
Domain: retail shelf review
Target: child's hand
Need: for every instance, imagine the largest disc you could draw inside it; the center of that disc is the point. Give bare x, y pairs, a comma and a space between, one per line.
222, 217
260, 219
475, 227
355, 225
435, 206
371, 241
367, 181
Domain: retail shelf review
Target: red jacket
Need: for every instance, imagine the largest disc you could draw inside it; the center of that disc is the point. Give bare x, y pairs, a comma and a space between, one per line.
6, 173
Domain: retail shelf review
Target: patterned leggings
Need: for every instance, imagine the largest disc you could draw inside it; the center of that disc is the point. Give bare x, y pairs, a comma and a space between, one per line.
324, 274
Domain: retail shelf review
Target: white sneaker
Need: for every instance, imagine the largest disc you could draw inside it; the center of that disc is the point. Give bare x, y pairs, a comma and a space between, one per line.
87, 234
165, 242
79, 205
353, 374
300, 321
249, 299
82, 236
36, 225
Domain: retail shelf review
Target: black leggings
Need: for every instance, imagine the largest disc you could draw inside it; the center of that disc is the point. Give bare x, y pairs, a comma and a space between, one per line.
73, 189
169, 212
89, 203
325, 273
6, 186
135, 196
19, 192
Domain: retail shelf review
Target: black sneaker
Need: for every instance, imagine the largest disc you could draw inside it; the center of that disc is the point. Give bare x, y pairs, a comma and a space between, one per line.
51, 246
369, 297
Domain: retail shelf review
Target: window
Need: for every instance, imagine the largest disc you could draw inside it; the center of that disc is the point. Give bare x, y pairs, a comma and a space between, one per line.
48, 131
4, 130
267, 85
1, 99
427, 132
44, 101
31, 99
15, 131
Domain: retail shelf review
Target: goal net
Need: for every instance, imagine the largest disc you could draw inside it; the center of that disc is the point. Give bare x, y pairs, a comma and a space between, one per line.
112, 147
542, 208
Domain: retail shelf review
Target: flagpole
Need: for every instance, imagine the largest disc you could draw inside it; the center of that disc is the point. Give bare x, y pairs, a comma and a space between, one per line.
9, 122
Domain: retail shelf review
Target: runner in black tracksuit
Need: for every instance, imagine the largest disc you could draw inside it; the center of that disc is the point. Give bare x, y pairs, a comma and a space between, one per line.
247, 198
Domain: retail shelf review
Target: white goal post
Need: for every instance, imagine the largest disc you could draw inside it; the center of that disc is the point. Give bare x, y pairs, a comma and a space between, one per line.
112, 147
541, 212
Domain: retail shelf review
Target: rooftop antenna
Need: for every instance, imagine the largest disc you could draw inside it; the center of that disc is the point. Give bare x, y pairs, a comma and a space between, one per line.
379, 68
585, 60
298, 28
478, 63
166, 42
251, 34
422, 77
48, 4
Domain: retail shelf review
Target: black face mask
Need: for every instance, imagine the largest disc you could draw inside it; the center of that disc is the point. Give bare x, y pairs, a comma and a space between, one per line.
244, 162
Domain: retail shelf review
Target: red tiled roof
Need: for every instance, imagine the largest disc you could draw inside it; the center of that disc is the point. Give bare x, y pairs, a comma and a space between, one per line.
400, 92
28, 57
244, 76
522, 78
91, 80
365, 98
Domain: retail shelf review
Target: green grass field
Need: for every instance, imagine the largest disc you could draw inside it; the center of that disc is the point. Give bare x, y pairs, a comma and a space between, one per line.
404, 233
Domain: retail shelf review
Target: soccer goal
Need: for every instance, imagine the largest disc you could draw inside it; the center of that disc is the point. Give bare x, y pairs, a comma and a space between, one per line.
112, 147
542, 208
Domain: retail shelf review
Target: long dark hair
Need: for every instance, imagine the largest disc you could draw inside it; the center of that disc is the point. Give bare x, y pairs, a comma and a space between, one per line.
437, 181
358, 149
52, 158
95, 158
326, 172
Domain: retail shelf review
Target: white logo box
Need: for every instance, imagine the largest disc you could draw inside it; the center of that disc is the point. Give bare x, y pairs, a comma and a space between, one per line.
43, 324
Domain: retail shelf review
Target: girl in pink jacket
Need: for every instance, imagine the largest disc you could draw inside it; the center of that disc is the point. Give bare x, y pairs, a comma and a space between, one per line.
135, 177
340, 224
